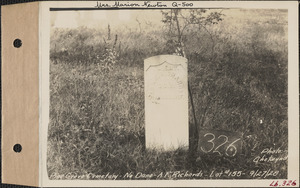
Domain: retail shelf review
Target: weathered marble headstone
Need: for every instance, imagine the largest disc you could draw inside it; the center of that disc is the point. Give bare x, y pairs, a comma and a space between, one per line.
166, 102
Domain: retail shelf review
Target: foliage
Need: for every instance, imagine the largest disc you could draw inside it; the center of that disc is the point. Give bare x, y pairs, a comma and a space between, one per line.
110, 56
238, 78
180, 22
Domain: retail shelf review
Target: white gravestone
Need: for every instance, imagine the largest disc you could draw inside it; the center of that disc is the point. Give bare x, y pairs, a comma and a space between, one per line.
166, 102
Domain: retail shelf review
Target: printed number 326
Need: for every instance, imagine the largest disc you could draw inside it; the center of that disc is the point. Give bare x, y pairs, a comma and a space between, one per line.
231, 149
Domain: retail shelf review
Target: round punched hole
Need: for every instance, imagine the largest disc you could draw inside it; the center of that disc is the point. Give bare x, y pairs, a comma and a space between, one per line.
17, 148
17, 43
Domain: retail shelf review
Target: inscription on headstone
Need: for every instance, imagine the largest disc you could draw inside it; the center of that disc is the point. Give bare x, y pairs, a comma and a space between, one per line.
166, 102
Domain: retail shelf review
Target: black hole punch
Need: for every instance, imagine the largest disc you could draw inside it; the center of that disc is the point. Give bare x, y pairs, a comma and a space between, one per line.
17, 148
17, 43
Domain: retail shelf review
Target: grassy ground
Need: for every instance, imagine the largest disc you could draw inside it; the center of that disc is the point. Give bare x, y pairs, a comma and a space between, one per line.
97, 126
97, 118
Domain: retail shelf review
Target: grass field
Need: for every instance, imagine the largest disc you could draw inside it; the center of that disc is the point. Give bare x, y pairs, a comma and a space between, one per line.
97, 117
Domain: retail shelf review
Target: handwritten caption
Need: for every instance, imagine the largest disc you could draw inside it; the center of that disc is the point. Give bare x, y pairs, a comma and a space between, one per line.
272, 155
283, 183
145, 4
213, 174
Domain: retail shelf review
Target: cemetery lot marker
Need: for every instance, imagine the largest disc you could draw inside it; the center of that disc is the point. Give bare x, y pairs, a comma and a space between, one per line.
166, 102
219, 142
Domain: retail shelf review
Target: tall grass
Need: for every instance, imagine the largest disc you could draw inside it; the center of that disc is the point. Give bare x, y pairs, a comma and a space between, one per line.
238, 78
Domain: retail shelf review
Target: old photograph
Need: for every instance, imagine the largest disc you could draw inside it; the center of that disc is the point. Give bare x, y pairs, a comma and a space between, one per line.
168, 94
